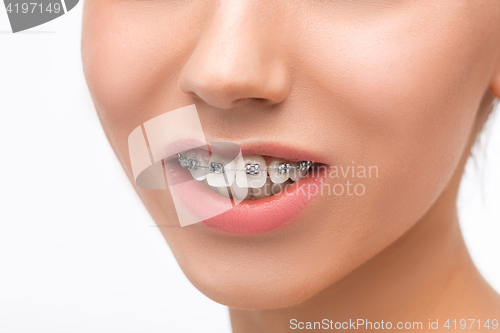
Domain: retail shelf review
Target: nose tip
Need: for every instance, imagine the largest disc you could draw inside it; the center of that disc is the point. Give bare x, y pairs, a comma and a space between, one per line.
236, 60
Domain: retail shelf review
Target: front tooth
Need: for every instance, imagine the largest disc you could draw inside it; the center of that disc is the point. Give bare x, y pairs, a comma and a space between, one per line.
252, 181
264, 191
203, 161
224, 191
214, 189
276, 177
223, 179
240, 193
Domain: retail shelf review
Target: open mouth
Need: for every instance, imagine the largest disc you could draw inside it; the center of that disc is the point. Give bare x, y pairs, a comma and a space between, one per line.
262, 190
249, 178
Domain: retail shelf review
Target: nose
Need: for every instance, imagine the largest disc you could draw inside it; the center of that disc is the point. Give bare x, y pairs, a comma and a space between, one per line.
237, 58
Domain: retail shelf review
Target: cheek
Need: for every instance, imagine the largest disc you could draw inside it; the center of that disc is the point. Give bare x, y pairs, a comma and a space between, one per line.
132, 58
406, 92
127, 66
131, 61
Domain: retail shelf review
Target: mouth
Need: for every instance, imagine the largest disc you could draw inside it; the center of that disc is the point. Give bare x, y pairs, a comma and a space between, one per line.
250, 194
247, 178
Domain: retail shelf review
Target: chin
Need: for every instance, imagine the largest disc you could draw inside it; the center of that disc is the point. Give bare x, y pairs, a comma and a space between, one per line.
241, 290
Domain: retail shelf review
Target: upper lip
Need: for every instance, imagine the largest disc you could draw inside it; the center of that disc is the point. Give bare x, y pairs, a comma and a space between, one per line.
277, 150
285, 152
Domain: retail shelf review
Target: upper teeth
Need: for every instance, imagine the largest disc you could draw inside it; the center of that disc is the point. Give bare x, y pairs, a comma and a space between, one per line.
284, 168
193, 164
249, 172
183, 160
279, 171
304, 165
255, 179
220, 176
250, 169
216, 168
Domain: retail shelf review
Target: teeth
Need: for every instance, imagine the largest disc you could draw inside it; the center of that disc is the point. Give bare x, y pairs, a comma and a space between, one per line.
203, 159
275, 176
240, 193
264, 191
252, 181
224, 191
304, 165
295, 174
226, 178
214, 189
219, 174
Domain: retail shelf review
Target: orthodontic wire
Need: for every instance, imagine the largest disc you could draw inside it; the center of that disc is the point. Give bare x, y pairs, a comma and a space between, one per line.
304, 165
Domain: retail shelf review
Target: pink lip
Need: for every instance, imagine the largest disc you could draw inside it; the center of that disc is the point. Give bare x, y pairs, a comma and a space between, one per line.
278, 151
181, 145
250, 216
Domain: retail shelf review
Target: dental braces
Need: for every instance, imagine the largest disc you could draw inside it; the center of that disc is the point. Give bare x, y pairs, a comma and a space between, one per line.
250, 169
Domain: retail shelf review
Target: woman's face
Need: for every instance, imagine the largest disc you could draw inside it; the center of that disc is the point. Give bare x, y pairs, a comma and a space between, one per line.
390, 84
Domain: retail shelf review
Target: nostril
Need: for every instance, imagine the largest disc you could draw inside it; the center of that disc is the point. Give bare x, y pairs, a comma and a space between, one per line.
259, 100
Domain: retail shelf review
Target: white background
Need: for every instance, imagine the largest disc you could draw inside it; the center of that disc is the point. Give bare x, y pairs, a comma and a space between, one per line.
78, 251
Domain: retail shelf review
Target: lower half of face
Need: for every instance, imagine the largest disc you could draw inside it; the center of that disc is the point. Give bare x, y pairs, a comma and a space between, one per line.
369, 89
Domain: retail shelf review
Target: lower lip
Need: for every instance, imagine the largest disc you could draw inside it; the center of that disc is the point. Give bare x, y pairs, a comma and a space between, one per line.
249, 216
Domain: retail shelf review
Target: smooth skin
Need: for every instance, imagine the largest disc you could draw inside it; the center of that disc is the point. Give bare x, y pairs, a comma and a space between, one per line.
402, 85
